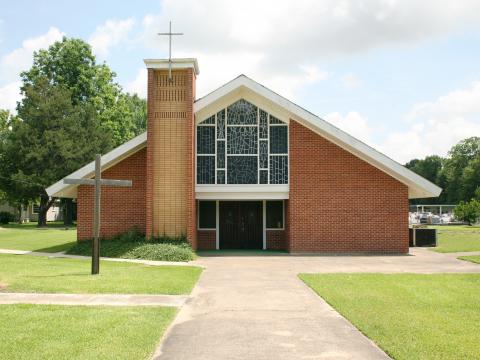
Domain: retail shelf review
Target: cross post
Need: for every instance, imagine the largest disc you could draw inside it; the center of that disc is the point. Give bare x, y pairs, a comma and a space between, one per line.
169, 34
97, 181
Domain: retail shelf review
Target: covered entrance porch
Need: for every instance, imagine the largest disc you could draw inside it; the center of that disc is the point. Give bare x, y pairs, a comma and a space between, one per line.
241, 225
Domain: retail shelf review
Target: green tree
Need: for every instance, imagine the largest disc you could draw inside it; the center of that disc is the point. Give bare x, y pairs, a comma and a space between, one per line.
471, 179
71, 64
458, 160
53, 138
430, 168
468, 211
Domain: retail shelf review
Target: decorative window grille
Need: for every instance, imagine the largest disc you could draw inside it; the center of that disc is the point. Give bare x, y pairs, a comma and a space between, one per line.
242, 144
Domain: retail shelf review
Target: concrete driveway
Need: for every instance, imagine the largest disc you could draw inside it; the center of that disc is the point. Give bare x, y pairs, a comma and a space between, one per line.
255, 307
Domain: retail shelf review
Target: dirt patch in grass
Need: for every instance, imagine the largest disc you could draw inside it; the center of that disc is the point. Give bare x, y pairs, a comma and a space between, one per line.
3, 286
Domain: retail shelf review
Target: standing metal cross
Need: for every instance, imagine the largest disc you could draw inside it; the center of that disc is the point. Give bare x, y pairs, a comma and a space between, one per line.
170, 50
97, 182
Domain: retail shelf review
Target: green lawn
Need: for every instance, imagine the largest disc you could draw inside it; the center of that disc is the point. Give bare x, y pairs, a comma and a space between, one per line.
54, 238
457, 238
42, 274
410, 316
473, 258
81, 332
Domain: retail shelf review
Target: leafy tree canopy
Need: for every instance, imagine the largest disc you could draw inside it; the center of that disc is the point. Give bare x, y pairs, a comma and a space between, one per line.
71, 64
53, 138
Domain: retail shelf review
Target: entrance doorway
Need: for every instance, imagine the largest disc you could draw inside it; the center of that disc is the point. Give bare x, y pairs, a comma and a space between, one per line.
241, 225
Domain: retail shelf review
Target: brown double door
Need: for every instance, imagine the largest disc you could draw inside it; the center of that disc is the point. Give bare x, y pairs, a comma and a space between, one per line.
241, 225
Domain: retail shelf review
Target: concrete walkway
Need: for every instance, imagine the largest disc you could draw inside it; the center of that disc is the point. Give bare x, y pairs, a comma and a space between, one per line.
67, 256
255, 307
93, 299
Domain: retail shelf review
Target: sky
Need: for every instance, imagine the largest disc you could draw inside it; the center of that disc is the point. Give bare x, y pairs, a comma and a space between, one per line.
402, 76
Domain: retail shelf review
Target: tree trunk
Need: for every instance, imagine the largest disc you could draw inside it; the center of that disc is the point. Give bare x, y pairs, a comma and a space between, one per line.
68, 212
45, 204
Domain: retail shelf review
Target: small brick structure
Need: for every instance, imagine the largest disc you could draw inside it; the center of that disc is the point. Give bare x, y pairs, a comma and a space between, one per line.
122, 207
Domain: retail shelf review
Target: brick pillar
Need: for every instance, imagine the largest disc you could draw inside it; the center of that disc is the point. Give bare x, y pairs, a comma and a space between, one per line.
170, 184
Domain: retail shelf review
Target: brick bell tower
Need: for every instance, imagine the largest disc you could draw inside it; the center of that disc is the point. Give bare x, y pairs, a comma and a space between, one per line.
170, 195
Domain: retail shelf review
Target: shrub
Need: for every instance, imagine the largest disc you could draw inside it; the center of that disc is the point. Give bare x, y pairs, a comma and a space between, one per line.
468, 211
6, 217
133, 245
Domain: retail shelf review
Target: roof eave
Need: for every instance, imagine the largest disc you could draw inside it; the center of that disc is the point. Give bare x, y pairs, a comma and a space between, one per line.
60, 189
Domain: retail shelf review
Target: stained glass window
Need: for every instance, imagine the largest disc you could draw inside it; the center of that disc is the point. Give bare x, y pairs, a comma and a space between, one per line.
242, 170
220, 176
278, 140
263, 125
221, 125
274, 120
242, 113
263, 176
205, 140
278, 169
242, 144
221, 154
205, 169
263, 155
209, 121
241, 140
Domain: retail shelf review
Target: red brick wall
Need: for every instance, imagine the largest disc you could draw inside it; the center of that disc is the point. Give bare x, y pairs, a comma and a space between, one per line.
276, 240
206, 239
122, 207
339, 203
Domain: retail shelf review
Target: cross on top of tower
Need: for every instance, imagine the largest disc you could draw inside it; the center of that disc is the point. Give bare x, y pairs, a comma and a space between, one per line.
170, 34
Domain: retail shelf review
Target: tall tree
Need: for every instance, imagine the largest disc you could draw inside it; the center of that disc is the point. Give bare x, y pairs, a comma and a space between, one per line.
430, 168
70, 63
53, 138
458, 160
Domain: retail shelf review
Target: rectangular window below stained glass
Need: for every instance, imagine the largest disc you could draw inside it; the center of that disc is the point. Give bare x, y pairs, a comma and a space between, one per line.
207, 215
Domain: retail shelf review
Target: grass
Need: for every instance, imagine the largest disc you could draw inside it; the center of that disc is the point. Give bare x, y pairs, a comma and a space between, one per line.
53, 238
474, 258
457, 238
24, 273
81, 332
133, 245
410, 316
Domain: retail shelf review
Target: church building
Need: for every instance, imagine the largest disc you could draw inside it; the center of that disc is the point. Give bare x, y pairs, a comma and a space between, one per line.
245, 168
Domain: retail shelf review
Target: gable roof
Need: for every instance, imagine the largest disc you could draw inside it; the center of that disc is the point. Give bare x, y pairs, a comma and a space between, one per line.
59, 189
244, 87
418, 187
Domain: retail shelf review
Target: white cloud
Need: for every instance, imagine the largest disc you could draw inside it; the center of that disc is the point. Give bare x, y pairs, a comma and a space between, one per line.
352, 123
432, 127
111, 33
437, 125
274, 37
18, 60
350, 81
139, 84
21, 59
9, 95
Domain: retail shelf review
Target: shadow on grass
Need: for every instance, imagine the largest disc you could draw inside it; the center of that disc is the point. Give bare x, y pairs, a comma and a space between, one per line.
51, 225
57, 248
